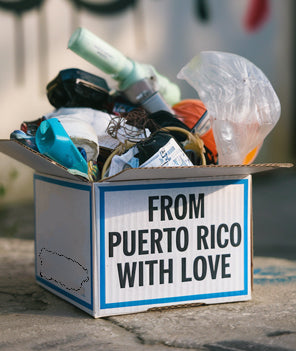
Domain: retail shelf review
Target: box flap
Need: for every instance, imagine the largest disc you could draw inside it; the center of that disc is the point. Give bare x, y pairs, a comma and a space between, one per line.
194, 172
45, 165
33, 159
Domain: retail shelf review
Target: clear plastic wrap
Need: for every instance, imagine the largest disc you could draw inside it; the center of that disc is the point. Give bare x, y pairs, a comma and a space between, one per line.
241, 102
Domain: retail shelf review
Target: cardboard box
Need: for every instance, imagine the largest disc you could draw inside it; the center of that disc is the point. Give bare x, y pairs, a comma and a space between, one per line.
144, 238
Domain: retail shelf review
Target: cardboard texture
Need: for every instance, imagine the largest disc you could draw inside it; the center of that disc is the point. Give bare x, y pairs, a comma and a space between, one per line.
33, 159
144, 238
116, 248
45, 165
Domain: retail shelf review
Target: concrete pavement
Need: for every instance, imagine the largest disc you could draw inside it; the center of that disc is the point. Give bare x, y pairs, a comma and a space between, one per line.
33, 319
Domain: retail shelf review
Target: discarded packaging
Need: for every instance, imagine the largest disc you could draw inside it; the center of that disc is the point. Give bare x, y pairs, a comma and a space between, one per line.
241, 102
24, 138
242, 108
194, 114
160, 150
82, 134
117, 231
53, 141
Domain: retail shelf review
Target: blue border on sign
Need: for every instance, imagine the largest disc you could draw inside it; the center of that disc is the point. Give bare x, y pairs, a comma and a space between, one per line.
103, 190
46, 282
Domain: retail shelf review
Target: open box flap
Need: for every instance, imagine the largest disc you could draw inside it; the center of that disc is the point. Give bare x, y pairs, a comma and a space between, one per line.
33, 159
45, 165
194, 172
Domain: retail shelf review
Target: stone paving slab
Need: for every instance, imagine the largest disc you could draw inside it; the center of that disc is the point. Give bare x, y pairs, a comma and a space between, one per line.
33, 319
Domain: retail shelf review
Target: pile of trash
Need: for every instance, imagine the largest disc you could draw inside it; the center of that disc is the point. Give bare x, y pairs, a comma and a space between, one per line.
95, 131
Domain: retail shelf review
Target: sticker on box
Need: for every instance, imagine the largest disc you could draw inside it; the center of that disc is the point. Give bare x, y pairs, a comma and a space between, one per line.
173, 242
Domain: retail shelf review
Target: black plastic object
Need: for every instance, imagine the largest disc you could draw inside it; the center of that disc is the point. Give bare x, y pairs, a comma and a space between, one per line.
162, 119
193, 157
30, 127
150, 146
76, 88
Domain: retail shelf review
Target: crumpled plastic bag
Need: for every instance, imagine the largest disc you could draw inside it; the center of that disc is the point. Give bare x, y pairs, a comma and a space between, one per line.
100, 122
241, 102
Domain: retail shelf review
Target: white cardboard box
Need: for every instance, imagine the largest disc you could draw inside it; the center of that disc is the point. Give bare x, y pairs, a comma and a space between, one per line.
145, 238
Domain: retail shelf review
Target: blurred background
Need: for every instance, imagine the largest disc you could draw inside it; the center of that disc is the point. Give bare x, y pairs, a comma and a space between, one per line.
165, 33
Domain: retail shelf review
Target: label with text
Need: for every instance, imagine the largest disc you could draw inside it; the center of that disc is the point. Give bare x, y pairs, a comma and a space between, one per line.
186, 242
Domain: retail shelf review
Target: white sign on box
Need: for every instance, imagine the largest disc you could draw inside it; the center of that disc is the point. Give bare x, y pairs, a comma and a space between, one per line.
171, 243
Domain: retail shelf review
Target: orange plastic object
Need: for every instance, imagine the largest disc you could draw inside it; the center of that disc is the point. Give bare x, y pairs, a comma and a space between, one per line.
252, 155
189, 111
193, 113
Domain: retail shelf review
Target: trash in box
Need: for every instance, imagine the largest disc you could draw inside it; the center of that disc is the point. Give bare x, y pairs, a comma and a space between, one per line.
116, 232
242, 103
237, 110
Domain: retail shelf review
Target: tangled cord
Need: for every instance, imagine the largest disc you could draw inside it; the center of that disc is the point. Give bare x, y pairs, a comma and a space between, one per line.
129, 125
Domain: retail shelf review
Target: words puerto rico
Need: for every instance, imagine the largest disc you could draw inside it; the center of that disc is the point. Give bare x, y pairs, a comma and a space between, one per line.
175, 236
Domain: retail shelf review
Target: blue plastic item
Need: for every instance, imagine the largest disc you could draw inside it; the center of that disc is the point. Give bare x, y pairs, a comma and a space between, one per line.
21, 136
53, 141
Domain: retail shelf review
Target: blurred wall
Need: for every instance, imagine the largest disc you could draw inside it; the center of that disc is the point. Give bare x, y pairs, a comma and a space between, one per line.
164, 33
